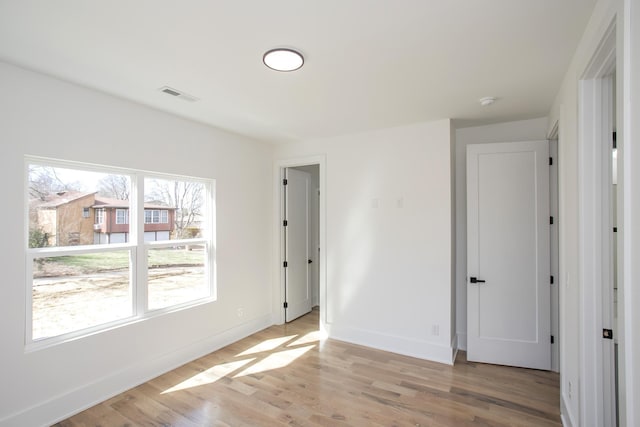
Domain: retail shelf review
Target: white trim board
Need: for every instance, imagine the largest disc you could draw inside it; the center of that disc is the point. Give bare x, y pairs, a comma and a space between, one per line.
395, 344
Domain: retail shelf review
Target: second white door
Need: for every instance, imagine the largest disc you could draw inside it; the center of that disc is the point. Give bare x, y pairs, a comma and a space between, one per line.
508, 283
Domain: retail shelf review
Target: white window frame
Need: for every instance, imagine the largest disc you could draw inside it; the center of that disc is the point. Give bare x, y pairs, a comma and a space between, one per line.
156, 216
99, 216
125, 216
136, 246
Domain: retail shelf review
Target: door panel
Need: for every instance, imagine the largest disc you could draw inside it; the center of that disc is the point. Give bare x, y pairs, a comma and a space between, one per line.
508, 246
297, 285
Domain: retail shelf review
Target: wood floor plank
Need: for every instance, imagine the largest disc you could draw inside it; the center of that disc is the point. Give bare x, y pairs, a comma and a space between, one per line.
284, 376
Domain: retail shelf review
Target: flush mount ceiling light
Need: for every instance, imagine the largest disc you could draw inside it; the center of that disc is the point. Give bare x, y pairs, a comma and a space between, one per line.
486, 101
282, 59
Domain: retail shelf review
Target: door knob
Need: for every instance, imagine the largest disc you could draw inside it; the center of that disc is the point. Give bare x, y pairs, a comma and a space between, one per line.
476, 280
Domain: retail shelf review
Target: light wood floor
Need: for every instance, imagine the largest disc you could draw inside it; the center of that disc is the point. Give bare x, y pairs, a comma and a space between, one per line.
284, 375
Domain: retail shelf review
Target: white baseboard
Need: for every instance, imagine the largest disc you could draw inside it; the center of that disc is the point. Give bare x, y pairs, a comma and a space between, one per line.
77, 400
565, 413
462, 341
454, 346
394, 344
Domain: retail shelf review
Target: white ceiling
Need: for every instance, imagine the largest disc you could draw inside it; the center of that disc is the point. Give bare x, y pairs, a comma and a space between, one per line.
368, 63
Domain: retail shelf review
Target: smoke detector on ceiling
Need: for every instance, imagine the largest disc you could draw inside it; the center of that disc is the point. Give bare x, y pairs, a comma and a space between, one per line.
178, 94
487, 100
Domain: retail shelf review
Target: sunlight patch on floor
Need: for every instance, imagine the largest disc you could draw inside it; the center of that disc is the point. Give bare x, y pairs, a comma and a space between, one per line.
267, 345
210, 376
311, 337
276, 360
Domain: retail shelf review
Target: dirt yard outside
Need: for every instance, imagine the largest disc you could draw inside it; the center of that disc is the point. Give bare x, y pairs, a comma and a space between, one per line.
76, 292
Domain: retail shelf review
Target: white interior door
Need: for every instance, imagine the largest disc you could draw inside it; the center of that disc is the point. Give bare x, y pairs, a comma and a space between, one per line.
508, 283
297, 285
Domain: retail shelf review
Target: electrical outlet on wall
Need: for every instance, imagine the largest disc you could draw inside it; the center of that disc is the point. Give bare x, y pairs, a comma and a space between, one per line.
435, 329
240, 312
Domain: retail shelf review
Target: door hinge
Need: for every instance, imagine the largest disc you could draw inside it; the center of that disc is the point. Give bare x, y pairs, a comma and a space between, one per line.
607, 333
285, 223
284, 181
552, 339
285, 305
552, 280
615, 229
285, 264
550, 161
551, 220
615, 142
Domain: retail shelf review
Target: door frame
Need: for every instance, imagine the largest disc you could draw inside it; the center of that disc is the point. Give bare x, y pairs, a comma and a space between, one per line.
595, 123
554, 244
278, 252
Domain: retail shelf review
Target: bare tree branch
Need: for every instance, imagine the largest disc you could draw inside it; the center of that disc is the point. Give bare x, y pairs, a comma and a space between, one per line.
115, 186
44, 180
185, 196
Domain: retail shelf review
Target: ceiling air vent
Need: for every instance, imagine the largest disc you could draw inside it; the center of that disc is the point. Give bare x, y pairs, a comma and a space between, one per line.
178, 94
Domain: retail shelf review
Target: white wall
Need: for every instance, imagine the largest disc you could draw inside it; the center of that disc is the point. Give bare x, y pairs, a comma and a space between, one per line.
47, 117
388, 237
524, 130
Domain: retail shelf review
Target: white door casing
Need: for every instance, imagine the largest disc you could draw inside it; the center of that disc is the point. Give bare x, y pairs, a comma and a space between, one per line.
297, 285
508, 316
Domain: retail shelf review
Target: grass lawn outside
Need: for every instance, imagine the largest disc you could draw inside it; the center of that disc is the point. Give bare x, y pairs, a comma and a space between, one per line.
113, 261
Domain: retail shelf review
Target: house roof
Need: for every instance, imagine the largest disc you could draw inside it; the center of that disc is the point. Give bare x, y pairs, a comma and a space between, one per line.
368, 64
55, 200
107, 202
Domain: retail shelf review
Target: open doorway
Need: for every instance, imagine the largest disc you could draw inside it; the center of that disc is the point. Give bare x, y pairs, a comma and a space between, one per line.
299, 189
313, 231
301, 232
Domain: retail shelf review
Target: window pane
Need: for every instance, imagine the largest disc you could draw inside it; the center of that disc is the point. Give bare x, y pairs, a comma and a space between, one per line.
99, 216
79, 291
69, 207
178, 207
176, 275
122, 216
